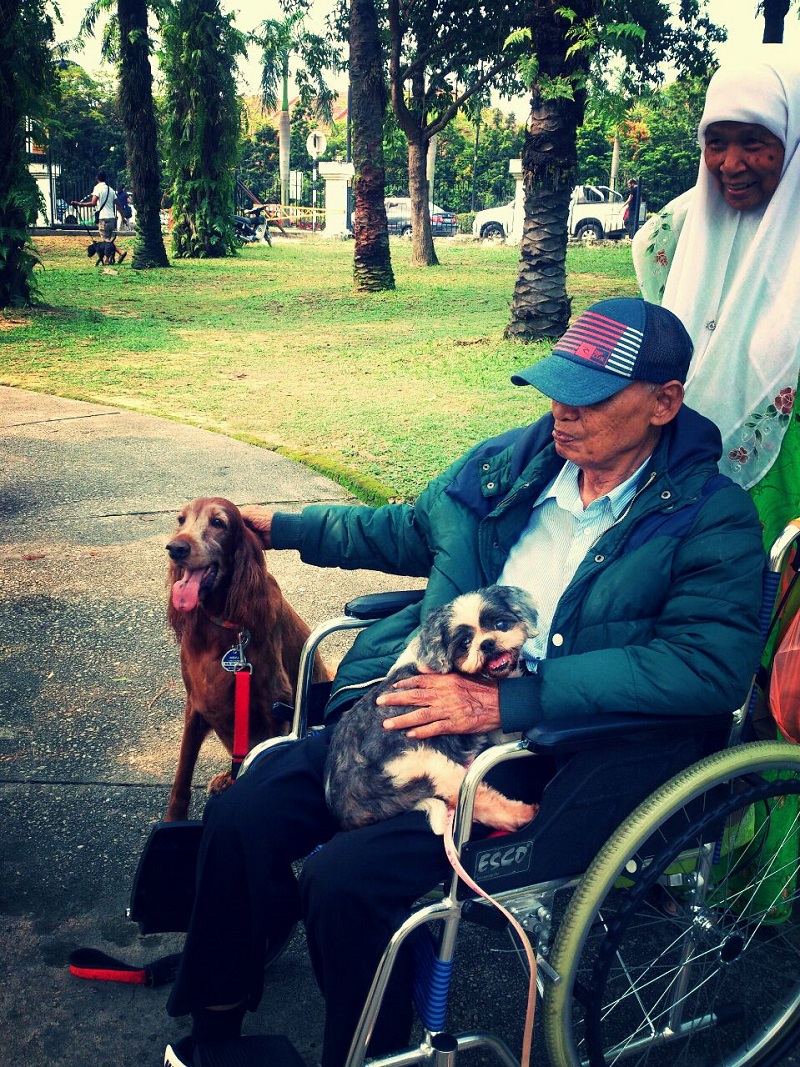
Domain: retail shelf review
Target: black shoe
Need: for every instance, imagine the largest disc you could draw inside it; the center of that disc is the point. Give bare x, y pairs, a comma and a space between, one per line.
180, 1054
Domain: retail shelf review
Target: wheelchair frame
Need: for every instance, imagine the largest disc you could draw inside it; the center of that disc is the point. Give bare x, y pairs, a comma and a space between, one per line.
659, 934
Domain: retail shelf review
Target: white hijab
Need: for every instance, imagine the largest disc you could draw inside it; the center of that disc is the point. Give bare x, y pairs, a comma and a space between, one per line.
735, 278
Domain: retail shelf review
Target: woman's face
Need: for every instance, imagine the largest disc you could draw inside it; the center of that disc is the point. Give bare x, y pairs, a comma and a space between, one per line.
745, 160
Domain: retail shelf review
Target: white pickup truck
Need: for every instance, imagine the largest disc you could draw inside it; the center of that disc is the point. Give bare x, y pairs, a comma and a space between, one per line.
595, 212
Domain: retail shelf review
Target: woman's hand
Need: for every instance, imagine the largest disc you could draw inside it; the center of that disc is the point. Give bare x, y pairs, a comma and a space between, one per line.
443, 704
259, 519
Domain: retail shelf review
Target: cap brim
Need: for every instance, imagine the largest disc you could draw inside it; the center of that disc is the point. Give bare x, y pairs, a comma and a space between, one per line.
570, 383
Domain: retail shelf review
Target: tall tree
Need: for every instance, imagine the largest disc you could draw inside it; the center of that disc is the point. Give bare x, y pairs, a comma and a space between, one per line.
141, 137
27, 80
199, 56
540, 306
566, 44
442, 53
372, 265
280, 41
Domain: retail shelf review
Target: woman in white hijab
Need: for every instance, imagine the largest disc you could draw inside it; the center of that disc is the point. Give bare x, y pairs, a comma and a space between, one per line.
725, 257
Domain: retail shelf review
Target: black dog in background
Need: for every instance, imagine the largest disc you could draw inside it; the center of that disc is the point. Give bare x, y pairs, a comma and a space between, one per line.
372, 773
107, 253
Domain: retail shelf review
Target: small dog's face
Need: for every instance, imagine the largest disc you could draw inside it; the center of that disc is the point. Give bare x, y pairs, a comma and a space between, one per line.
478, 633
92, 249
202, 547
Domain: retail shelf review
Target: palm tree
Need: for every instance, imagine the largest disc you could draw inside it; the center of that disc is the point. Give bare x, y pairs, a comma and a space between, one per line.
565, 42
372, 265
138, 118
280, 39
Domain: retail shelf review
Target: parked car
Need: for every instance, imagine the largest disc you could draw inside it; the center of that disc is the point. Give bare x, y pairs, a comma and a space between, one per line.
494, 221
398, 216
595, 211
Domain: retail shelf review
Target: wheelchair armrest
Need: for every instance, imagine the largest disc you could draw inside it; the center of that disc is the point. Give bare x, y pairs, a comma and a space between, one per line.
585, 731
381, 605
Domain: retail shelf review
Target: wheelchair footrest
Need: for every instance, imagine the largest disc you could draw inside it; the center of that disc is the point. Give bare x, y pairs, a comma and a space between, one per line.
261, 1050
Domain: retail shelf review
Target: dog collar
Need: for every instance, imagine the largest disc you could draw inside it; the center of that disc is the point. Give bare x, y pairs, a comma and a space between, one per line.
219, 622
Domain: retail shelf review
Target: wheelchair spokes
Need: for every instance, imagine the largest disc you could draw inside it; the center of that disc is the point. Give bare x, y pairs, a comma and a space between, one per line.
674, 960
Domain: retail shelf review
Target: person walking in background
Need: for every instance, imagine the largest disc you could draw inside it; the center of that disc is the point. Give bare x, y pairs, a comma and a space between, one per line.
124, 209
631, 209
725, 257
104, 200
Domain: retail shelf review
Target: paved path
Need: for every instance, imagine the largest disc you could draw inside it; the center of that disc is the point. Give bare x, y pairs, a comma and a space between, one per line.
91, 708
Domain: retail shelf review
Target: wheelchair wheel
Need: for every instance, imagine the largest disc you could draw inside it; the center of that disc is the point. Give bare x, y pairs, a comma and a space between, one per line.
681, 944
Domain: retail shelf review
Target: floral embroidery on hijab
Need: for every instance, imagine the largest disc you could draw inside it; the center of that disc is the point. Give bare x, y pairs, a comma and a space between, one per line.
759, 425
661, 247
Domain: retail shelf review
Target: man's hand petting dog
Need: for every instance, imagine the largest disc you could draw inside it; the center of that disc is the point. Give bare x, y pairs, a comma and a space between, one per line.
443, 704
259, 520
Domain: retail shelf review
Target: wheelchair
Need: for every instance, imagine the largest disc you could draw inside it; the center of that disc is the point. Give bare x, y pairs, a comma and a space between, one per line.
660, 908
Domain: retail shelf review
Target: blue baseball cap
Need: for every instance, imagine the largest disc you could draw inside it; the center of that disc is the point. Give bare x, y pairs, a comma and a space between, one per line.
611, 344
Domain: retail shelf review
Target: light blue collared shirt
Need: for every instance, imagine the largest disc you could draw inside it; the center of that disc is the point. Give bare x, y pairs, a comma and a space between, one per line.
555, 540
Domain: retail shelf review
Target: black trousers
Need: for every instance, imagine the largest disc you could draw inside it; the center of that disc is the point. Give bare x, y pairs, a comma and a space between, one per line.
352, 895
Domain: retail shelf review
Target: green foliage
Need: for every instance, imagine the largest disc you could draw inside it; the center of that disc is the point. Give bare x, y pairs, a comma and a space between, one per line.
462, 168
657, 140
200, 50
289, 41
651, 34
258, 162
27, 83
86, 131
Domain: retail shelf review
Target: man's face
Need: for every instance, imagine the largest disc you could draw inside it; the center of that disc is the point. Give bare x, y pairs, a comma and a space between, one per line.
745, 160
610, 435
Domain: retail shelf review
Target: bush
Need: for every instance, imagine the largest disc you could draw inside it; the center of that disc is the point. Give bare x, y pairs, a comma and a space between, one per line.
465, 221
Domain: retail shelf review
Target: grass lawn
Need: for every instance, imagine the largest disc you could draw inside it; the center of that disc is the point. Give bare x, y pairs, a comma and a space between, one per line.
378, 391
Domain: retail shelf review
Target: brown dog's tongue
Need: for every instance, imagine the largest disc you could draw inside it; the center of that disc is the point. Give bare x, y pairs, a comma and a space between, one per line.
186, 592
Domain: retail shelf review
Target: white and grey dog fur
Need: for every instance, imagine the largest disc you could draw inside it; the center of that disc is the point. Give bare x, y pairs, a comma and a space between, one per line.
372, 774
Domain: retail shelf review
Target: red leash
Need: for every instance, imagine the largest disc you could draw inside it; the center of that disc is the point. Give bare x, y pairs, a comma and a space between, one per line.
241, 718
235, 662
94, 965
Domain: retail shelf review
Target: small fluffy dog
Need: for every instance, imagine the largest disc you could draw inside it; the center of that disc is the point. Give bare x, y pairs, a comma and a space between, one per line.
372, 773
107, 253
221, 589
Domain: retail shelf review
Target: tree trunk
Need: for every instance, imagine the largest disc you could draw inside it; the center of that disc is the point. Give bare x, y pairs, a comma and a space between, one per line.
423, 254
139, 121
372, 265
284, 134
775, 12
540, 306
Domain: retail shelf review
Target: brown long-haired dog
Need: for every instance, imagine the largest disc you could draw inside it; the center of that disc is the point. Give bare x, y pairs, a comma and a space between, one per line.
372, 773
221, 589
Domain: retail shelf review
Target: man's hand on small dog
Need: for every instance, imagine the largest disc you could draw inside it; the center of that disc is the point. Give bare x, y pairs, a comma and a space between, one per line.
443, 704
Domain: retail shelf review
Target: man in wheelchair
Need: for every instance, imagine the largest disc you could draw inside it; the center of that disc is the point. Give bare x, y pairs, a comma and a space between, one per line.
645, 564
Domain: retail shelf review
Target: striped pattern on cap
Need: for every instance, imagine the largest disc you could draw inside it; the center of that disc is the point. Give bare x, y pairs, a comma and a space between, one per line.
603, 343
